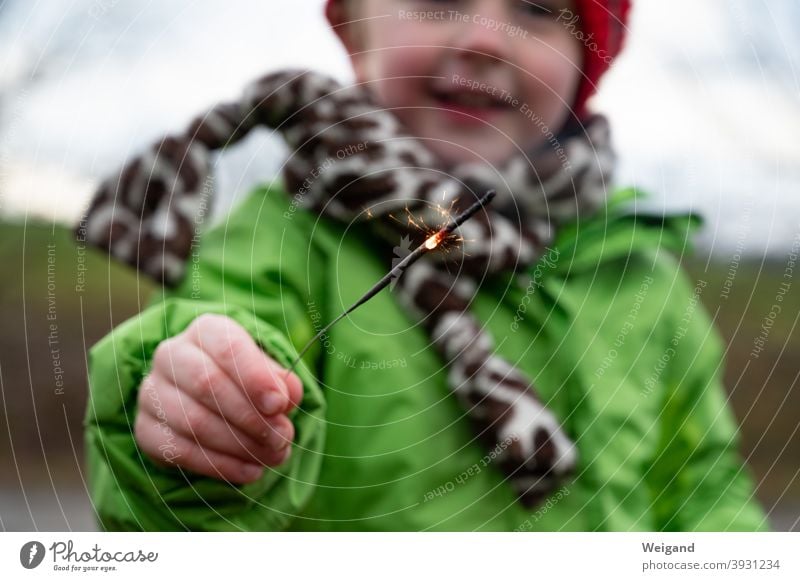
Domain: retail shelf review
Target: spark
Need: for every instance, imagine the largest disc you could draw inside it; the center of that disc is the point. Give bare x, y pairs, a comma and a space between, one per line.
434, 239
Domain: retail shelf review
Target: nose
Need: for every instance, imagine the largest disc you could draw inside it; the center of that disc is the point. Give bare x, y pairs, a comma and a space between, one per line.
483, 37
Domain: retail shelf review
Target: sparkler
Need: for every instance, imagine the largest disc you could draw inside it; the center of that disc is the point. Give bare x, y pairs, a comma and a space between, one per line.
430, 244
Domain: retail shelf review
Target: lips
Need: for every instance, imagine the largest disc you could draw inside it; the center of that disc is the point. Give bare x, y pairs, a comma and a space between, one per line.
469, 103
469, 98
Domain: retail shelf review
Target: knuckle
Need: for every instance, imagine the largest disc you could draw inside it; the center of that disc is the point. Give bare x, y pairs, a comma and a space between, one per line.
164, 352
206, 380
252, 422
196, 420
188, 456
220, 323
202, 326
280, 435
193, 457
229, 350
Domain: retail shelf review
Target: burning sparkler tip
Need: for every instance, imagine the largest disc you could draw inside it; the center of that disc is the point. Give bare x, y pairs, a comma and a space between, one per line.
443, 235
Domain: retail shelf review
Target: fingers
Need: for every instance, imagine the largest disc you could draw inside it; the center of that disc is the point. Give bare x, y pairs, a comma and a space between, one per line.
262, 379
182, 452
184, 365
196, 422
215, 403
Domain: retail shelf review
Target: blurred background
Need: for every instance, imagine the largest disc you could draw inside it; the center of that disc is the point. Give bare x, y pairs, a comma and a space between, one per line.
705, 106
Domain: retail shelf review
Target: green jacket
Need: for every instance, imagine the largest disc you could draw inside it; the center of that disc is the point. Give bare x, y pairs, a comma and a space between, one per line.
608, 326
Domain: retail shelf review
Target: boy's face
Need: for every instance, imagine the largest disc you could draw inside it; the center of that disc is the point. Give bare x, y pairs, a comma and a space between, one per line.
477, 79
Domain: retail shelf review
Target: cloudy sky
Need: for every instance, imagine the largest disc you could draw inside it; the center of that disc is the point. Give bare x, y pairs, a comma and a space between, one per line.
705, 103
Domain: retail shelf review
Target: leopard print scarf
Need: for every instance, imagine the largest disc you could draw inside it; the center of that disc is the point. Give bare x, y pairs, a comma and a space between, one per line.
352, 161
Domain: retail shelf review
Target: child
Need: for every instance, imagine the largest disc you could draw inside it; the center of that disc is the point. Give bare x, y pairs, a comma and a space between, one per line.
553, 371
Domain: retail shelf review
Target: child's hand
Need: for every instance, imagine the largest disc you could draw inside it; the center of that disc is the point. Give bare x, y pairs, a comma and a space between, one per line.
216, 404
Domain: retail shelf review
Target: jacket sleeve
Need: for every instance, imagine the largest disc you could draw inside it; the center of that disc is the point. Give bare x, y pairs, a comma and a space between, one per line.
262, 291
701, 482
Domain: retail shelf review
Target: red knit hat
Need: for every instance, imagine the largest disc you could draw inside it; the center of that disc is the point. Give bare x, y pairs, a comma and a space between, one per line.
603, 24
600, 26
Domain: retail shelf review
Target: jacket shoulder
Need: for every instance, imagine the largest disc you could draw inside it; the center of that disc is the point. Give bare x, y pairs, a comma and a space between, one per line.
265, 239
620, 232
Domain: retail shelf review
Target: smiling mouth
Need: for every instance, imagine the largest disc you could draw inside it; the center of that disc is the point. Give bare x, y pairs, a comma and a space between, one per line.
467, 101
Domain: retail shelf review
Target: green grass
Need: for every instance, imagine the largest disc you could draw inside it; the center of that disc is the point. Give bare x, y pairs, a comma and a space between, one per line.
47, 312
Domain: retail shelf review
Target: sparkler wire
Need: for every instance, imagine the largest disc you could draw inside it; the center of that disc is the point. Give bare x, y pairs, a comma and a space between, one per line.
418, 252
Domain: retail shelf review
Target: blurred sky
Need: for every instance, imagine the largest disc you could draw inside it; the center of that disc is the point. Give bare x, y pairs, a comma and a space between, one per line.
705, 103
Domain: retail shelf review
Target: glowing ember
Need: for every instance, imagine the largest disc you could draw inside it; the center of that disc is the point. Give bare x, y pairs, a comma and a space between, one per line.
433, 241
443, 235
